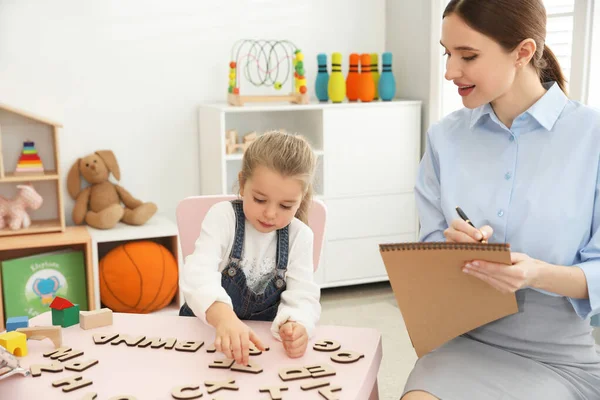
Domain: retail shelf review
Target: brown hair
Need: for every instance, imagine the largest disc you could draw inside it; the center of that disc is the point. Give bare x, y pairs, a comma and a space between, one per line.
288, 154
509, 22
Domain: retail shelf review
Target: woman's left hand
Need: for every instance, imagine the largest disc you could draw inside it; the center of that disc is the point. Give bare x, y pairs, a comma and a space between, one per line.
523, 272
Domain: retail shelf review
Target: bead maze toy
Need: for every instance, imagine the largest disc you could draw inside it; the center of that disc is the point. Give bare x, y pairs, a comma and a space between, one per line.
267, 63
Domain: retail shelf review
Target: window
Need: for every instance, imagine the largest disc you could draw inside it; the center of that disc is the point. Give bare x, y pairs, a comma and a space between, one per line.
594, 82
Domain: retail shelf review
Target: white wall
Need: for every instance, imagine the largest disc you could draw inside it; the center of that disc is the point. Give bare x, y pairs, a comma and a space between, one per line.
128, 75
409, 38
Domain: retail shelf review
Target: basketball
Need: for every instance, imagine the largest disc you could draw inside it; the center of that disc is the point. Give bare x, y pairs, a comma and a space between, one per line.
138, 277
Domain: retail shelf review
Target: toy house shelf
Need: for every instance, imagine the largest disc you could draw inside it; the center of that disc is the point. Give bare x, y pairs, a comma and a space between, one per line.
74, 237
367, 160
16, 127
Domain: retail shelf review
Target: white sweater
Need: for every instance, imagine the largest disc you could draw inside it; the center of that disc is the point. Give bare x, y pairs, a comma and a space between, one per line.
201, 277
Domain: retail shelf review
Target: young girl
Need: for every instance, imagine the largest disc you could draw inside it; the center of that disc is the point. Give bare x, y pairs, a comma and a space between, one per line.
522, 160
253, 259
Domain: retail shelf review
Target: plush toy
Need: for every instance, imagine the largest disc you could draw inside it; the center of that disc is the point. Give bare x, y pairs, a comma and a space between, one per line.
13, 212
99, 204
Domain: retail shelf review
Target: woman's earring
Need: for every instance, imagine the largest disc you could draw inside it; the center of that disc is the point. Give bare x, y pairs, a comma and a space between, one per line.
519, 65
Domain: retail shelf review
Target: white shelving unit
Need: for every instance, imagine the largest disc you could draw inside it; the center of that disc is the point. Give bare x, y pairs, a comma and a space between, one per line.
368, 157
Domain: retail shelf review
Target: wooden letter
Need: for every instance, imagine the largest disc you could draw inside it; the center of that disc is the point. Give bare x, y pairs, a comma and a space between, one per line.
225, 363
214, 386
321, 370
128, 340
80, 366
90, 396
36, 369
100, 338
315, 384
346, 357
326, 345
186, 392
157, 343
63, 354
72, 383
274, 391
189, 346
251, 368
290, 374
328, 392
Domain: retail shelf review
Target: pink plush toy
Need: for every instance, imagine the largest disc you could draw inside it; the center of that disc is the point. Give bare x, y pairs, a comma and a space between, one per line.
12, 212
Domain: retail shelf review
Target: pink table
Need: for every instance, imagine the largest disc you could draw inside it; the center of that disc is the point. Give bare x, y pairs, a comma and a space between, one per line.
147, 373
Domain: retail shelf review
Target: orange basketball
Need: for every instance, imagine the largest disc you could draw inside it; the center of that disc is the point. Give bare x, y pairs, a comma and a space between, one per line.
138, 277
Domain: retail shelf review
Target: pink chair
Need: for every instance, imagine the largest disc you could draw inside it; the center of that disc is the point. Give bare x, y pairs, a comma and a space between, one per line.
191, 211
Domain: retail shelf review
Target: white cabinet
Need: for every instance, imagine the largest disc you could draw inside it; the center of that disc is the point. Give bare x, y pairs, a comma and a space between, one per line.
368, 157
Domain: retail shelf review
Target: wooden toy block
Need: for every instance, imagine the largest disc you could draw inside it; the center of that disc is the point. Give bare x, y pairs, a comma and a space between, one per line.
189, 346
66, 317
101, 338
225, 363
231, 138
95, 319
250, 368
274, 391
157, 343
54, 333
80, 366
15, 343
186, 392
215, 386
72, 383
36, 369
346, 357
315, 384
293, 373
321, 370
63, 354
128, 340
13, 323
326, 345
328, 392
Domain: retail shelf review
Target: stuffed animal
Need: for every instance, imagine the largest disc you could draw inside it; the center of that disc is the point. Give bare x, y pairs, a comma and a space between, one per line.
13, 212
99, 204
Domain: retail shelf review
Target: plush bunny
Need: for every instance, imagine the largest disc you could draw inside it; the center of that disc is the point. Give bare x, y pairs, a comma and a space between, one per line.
13, 212
100, 203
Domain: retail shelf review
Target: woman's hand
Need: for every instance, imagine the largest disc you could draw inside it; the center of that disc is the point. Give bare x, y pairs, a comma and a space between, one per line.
461, 232
294, 338
523, 272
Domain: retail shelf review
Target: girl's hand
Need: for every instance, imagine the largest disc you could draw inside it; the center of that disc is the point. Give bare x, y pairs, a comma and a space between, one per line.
233, 339
523, 272
294, 338
461, 232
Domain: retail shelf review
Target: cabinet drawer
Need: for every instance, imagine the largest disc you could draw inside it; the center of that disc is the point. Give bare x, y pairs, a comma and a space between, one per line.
355, 259
371, 150
370, 216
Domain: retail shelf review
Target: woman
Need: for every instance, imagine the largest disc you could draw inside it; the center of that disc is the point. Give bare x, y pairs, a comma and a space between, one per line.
522, 161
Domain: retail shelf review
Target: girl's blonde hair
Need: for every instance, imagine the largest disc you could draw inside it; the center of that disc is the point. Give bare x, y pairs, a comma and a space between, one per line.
288, 154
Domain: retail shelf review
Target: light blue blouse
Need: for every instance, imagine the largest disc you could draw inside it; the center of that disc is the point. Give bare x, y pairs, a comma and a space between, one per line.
536, 184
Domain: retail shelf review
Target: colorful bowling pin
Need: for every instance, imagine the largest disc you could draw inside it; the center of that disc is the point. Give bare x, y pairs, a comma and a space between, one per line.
387, 83
352, 79
366, 87
375, 73
322, 78
336, 87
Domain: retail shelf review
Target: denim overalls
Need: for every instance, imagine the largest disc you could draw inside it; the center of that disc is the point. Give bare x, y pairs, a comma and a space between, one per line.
247, 304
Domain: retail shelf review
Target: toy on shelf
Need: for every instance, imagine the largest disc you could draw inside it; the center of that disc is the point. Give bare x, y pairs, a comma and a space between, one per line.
353, 78
13, 212
267, 63
231, 141
15, 343
375, 73
387, 83
95, 319
29, 162
54, 333
322, 78
16, 322
337, 84
366, 87
99, 205
64, 313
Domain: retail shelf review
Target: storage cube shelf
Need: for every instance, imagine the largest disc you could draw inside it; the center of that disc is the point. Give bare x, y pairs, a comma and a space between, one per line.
16, 127
368, 155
